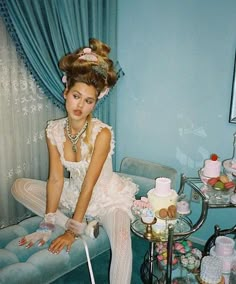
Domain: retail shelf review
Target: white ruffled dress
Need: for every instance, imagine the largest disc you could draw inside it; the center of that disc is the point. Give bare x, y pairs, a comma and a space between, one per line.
111, 191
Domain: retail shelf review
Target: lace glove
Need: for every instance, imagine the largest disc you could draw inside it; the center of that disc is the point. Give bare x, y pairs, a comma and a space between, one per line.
42, 234
75, 228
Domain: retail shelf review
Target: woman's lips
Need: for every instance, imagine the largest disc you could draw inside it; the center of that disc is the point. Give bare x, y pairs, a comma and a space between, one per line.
77, 112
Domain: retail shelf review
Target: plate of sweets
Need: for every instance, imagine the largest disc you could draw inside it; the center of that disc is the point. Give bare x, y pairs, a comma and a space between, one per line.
221, 183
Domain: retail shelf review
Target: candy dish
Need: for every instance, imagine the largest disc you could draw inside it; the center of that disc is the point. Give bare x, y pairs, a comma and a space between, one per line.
147, 220
203, 178
219, 189
223, 190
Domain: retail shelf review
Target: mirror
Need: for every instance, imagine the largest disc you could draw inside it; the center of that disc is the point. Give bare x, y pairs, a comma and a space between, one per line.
232, 115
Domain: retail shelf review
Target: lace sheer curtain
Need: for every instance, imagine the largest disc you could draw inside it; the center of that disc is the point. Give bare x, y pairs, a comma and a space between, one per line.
24, 112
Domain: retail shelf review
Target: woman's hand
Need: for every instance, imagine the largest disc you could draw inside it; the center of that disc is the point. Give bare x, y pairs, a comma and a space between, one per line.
43, 233
65, 240
37, 237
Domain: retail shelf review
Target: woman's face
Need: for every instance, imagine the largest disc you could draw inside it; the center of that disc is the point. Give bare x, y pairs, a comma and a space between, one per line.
80, 100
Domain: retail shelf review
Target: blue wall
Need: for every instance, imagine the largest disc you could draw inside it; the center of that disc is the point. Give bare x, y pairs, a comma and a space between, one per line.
173, 103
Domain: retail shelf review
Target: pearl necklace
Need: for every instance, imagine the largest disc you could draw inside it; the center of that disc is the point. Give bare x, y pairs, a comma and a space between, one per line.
74, 138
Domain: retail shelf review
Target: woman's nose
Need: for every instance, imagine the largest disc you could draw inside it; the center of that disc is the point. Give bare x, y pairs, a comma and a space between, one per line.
80, 102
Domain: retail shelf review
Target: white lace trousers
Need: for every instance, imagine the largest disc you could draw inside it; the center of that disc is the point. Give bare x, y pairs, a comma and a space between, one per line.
32, 194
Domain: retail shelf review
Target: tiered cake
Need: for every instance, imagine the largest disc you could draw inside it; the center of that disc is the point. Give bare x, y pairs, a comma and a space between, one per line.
224, 249
163, 201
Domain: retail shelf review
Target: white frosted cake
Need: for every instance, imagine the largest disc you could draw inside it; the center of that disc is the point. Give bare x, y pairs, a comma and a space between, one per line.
162, 196
183, 207
224, 246
211, 270
163, 202
212, 167
224, 250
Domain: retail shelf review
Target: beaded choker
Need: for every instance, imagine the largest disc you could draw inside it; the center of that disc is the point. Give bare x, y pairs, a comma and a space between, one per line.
74, 138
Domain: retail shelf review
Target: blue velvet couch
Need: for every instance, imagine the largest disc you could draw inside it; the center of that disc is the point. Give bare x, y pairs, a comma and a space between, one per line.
36, 265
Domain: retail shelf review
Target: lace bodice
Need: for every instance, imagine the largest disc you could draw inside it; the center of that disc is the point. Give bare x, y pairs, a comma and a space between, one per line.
56, 134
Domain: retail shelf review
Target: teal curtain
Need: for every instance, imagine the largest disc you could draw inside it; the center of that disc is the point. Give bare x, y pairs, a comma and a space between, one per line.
44, 31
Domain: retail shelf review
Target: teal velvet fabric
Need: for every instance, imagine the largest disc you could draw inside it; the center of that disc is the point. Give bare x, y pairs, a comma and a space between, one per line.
37, 264
147, 169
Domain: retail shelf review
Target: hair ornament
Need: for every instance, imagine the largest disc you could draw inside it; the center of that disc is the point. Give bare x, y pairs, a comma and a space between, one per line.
103, 93
64, 79
101, 69
88, 55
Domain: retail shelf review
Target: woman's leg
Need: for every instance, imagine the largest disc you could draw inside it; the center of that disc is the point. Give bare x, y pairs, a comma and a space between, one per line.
32, 194
117, 226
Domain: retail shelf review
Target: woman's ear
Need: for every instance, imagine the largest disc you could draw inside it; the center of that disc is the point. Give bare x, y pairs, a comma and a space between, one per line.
65, 93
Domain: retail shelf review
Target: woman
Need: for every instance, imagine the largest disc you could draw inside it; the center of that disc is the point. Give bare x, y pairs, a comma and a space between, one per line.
83, 146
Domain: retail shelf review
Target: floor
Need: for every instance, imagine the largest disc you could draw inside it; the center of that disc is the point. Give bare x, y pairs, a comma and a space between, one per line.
101, 266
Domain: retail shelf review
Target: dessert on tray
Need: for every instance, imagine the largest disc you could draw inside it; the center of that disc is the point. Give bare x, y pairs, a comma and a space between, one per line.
224, 250
162, 196
214, 180
212, 166
160, 203
221, 183
211, 270
163, 201
183, 207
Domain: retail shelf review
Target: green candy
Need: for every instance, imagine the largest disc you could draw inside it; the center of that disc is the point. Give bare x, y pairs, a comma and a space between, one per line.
219, 185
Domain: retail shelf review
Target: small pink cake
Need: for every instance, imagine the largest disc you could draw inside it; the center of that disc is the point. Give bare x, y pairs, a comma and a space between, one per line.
183, 207
212, 167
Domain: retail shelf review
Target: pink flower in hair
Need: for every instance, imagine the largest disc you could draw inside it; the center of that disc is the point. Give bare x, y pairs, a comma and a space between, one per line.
64, 79
103, 93
88, 55
87, 50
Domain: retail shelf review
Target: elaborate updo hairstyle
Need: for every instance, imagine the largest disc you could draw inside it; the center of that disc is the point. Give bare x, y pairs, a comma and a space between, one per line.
90, 65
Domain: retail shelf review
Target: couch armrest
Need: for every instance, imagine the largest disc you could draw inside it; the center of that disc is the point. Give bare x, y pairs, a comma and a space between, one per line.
146, 169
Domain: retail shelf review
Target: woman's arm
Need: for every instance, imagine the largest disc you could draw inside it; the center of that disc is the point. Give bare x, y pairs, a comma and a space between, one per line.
100, 153
99, 156
55, 180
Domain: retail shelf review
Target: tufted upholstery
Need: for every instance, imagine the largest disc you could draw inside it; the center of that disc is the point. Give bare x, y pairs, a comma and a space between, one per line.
37, 265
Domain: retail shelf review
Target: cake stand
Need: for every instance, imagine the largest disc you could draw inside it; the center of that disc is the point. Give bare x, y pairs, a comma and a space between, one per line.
204, 179
149, 271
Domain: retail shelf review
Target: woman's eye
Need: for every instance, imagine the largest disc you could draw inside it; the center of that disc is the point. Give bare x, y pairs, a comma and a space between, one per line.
89, 101
76, 96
